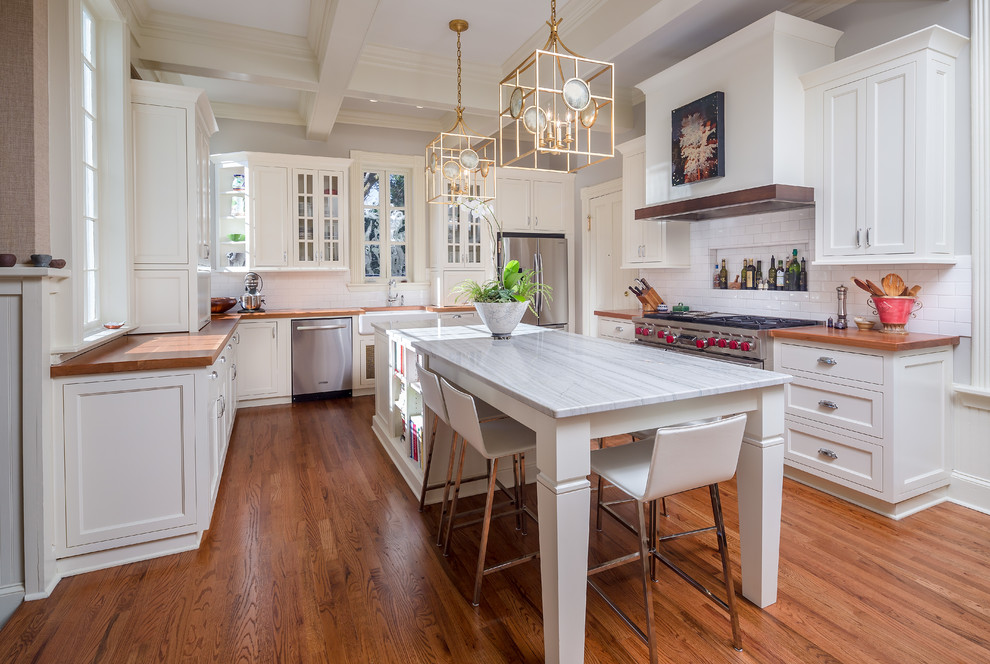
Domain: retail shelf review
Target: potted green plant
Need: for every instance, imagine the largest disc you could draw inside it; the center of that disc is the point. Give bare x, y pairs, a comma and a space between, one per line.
502, 301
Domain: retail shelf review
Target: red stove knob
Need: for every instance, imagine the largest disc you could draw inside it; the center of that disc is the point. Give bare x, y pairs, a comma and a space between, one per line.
711, 341
734, 344
722, 343
701, 343
670, 338
745, 345
639, 330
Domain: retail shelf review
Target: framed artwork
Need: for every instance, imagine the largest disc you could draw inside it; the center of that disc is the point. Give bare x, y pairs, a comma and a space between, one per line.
698, 140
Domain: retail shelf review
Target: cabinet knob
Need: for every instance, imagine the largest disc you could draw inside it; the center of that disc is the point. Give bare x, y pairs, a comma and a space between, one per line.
827, 453
824, 403
828, 361
213, 375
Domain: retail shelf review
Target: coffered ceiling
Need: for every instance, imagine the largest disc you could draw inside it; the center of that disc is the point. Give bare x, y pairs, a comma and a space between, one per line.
392, 63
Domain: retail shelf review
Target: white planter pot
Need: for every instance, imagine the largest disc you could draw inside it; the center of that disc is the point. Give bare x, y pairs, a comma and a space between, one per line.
501, 317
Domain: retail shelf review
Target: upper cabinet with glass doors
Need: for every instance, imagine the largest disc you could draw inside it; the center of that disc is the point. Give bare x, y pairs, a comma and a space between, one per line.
277, 211
319, 228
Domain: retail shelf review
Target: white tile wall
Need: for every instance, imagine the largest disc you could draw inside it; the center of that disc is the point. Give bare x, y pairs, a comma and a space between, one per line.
945, 294
308, 290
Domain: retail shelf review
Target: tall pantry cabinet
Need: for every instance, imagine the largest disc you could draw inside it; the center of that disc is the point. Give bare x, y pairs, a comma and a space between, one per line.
172, 126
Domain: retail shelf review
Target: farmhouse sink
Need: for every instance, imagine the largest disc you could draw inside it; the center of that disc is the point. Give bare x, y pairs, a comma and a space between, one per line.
366, 320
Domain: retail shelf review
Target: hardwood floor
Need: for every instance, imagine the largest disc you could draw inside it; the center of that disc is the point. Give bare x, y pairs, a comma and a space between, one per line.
317, 553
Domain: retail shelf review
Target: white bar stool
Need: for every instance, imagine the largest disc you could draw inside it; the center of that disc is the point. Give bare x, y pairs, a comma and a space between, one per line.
433, 398
677, 459
494, 440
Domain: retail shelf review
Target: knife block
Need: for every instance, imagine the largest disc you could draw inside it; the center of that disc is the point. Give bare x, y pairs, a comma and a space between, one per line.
650, 301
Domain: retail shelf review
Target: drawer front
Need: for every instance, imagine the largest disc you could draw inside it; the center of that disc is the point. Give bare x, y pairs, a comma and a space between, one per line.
834, 457
836, 364
615, 328
846, 407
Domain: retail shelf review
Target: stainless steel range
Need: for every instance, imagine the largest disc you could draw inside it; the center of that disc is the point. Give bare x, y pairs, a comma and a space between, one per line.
733, 338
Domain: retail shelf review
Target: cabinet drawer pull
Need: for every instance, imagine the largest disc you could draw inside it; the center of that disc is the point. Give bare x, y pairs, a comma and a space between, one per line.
859, 243
619, 328
867, 237
827, 361
223, 359
828, 404
233, 372
213, 375
827, 453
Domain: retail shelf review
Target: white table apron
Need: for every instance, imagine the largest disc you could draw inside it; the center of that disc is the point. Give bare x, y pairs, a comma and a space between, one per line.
563, 458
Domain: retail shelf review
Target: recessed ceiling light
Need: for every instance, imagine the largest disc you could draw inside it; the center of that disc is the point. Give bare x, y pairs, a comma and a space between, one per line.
373, 101
419, 107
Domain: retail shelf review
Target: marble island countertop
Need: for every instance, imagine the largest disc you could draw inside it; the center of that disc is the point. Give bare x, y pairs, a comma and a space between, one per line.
563, 374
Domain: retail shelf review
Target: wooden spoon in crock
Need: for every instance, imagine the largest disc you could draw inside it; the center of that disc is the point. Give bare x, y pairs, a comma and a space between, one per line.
893, 285
874, 289
859, 282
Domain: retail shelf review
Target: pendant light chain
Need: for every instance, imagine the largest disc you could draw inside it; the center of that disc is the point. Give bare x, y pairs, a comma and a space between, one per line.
459, 70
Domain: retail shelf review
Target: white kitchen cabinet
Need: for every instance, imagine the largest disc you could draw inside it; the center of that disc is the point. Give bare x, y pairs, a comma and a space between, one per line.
535, 202
263, 359
616, 329
320, 228
268, 229
296, 210
461, 248
364, 361
129, 457
459, 318
171, 126
880, 152
647, 243
872, 421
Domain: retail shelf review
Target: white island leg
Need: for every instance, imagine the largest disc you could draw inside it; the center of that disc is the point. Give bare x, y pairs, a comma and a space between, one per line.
564, 500
760, 481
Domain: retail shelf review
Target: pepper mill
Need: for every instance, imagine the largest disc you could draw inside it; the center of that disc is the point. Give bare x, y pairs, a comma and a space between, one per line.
841, 324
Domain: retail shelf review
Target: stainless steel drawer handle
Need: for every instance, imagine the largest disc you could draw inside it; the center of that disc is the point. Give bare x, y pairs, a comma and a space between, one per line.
827, 360
320, 327
827, 453
828, 404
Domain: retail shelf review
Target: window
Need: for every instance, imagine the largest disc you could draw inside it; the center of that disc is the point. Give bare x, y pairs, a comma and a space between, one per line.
88, 102
384, 236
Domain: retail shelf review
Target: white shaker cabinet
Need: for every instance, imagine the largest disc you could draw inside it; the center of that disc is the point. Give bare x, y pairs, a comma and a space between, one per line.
870, 421
647, 243
263, 359
129, 459
269, 227
535, 202
880, 151
461, 248
171, 128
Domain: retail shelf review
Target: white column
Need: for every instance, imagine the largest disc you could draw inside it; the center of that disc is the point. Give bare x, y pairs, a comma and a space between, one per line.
979, 46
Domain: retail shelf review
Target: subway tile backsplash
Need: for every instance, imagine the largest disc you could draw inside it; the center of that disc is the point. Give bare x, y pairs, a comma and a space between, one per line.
310, 289
945, 289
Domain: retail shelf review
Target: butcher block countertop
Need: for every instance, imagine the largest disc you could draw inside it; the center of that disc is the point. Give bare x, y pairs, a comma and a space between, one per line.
624, 314
150, 352
856, 338
295, 313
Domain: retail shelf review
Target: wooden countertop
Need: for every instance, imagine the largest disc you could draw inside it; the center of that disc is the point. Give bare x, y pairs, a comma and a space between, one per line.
451, 309
149, 352
869, 339
624, 314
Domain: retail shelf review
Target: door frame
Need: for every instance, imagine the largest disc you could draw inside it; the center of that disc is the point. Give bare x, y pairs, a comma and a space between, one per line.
587, 311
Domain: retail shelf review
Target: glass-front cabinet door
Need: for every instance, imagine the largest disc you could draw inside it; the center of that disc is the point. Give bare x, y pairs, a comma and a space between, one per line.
464, 232
319, 218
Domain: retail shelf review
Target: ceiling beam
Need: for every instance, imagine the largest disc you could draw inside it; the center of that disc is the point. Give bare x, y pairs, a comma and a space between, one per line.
346, 26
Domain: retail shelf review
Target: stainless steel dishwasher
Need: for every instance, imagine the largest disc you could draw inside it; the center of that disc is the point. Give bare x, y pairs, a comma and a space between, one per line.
322, 358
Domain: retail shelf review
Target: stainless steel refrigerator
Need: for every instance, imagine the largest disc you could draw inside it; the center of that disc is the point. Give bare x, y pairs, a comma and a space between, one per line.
547, 254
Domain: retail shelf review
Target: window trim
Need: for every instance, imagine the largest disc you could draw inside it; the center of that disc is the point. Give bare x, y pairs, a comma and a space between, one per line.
417, 231
385, 209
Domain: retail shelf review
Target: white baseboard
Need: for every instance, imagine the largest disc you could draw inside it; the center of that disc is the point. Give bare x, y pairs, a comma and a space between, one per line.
970, 491
89, 562
10, 598
894, 511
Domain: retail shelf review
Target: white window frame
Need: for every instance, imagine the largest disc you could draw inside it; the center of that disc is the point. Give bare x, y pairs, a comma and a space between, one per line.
112, 266
385, 209
413, 167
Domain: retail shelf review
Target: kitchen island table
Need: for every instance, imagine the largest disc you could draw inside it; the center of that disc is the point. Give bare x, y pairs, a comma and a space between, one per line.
570, 389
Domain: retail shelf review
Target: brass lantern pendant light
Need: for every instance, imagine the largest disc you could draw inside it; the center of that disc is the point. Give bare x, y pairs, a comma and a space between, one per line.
460, 164
556, 109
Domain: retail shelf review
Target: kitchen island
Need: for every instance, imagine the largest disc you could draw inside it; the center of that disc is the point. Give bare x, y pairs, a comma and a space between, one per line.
570, 389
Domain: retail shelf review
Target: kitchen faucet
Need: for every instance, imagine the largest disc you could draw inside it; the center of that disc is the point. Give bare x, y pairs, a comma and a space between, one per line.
393, 295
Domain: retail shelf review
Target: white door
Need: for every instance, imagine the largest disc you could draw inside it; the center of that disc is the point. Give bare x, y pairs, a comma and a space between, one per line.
607, 281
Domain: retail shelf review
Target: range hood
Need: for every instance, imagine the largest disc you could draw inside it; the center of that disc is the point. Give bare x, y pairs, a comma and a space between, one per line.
768, 198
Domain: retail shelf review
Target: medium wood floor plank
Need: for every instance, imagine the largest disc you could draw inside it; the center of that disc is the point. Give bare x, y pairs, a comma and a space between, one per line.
317, 554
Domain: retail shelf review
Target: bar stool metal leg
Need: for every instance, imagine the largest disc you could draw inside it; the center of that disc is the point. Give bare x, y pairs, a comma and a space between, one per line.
453, 500
485, 529
645, 560
429, 462
723, 549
